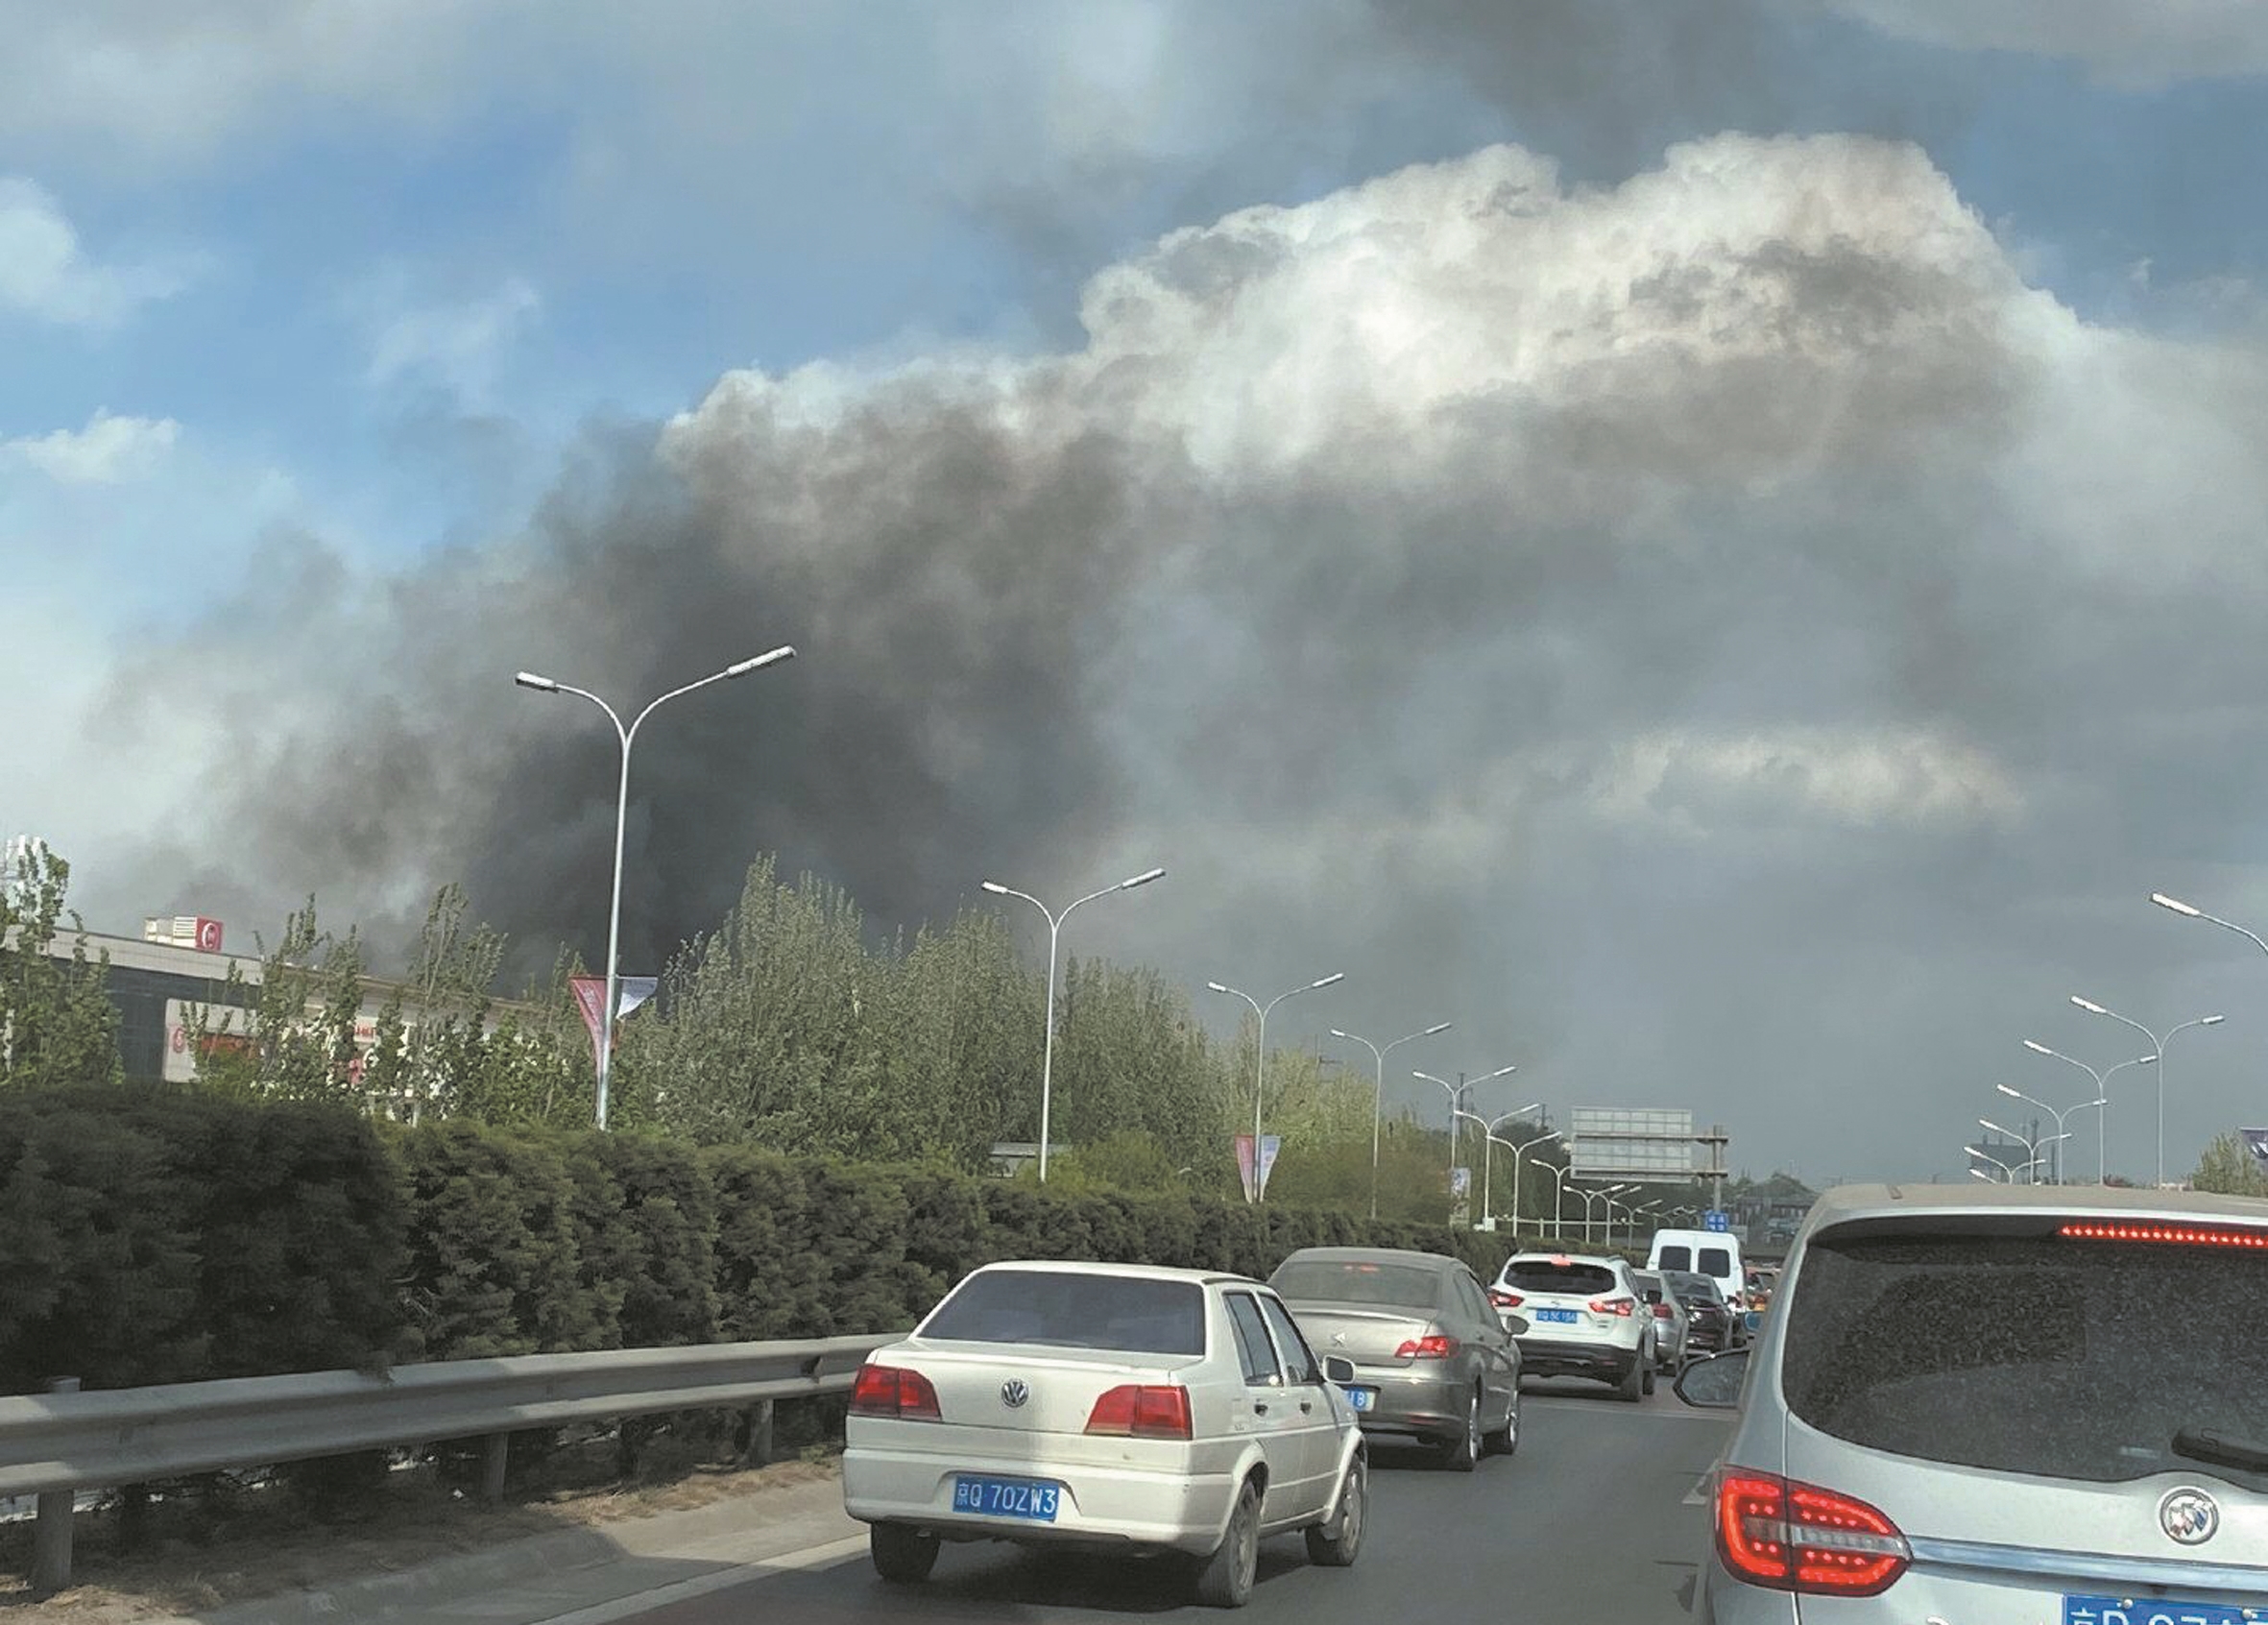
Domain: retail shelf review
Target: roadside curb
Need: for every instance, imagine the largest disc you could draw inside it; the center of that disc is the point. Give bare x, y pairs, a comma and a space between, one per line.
584, 1574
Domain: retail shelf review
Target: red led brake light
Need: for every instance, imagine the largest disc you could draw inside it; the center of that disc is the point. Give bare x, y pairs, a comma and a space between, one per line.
1431, 1346
2174, 1235
889, 1391
1792, 1536
1141, 1411
1613, 1306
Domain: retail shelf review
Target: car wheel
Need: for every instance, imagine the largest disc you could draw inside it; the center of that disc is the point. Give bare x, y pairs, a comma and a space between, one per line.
902, 1556
1636, 1381
1337, 1543
1649, 1364
1226, 1579
1506, 1438
1461, 1452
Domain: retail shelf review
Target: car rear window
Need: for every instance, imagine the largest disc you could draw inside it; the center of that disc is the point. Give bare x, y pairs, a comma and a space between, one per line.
2065, 1358
1674, 1256
1715, 1262
1691, 1289
1402, 1286
1063, 1309
1542, 1274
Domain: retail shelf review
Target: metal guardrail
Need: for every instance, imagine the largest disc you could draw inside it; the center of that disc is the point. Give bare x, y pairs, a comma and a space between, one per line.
55, 1445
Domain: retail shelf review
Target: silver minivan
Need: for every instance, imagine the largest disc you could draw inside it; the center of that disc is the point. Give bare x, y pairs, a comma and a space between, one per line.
2000, 1405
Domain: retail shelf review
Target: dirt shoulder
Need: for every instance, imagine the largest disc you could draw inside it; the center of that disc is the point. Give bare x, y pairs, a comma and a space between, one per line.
203, 1554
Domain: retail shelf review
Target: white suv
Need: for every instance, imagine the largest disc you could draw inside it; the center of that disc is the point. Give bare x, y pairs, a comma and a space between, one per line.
1586, 1317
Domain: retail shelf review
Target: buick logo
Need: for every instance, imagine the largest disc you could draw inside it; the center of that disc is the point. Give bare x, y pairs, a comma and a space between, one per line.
2189, 1515
1016, 1391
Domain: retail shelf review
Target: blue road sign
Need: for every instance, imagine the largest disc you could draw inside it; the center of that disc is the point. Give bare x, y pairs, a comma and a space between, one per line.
1716, 1218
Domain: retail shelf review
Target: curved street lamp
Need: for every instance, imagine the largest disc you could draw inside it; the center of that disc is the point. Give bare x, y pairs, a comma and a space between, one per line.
2055, 1139
1457, 1093
1054, 932
1260, 1070
2008, 1174
1487, 1139
542, 685
2102, 1100
1378, 1054
1518, 1151
2157, 1044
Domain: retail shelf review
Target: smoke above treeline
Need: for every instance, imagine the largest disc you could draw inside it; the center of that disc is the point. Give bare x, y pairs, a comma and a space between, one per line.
1623, 621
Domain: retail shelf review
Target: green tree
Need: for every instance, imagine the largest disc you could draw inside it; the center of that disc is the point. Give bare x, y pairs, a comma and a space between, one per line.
57, 1022
2228, 1168
292, 1039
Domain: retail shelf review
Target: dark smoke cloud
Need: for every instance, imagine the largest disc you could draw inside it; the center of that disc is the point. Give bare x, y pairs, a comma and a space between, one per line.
1690, 634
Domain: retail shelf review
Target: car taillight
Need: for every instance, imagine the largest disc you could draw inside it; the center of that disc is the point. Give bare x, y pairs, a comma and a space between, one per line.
890, 1391
1141, 1411
1503, 1299
1613, 1306
1792, 1536
2177, 1235
1661, 1311
1431, 1346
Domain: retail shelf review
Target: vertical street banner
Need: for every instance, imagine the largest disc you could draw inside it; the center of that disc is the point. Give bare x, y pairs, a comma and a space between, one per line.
1269, 1145
590, 998
2256, 1141
1247, 1168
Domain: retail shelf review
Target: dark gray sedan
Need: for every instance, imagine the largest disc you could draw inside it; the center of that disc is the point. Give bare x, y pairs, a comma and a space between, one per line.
1433, 1362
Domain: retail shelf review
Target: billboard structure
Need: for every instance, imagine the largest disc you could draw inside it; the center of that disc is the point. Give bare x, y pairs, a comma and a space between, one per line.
1643, 1146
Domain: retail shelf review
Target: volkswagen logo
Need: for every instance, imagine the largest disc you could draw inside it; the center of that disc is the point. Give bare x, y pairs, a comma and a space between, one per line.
1016, 1391
2189, 1515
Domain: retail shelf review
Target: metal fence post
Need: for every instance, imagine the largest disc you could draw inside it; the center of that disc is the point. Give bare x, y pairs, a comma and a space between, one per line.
495, 1458
760, 1434
51, 1535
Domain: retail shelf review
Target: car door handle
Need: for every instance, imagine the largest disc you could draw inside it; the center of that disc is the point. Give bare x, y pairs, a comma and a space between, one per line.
1307, 1407
1260, 1407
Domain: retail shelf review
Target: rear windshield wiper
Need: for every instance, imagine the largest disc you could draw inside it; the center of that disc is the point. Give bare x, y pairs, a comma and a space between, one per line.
2202, 1444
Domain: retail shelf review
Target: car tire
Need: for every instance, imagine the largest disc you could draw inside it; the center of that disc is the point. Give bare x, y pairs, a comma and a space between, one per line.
902, 1556
1505, 1440
1649, 1364
1337, 1544
1225, 1581
1461, 1451
1633, 1386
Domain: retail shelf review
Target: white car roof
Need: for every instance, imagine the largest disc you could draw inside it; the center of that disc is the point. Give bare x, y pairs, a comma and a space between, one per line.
1842, 1203
1605, 1261
1129, 1272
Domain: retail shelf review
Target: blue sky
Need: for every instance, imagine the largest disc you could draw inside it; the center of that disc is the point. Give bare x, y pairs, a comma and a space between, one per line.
314, 312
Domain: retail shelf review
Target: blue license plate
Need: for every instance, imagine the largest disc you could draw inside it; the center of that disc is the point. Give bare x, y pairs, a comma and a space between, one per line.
1360, 1399
1556, 1317
1030, 1498
2156, 1610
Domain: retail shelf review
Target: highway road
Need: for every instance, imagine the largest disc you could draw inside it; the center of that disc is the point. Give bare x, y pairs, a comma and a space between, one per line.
1596, 1517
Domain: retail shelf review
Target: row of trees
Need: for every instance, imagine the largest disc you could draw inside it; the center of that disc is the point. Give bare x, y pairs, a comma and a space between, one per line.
793, 1026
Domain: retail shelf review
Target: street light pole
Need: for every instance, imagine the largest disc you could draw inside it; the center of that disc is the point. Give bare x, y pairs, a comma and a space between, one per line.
1558, 1200
1487, 1139
1456, 1094
1517, 1152
2102, 1099
2008, 1173
1260, 1070
2031, 1146
1054, 932
542, 685
1378, 1091
2157, 1044
2055, 1139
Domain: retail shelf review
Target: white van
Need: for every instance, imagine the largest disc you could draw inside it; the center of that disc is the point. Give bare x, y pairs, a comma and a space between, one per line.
1714, 1253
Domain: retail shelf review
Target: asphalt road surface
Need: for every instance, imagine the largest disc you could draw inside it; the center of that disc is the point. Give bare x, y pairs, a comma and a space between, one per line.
1596, 1517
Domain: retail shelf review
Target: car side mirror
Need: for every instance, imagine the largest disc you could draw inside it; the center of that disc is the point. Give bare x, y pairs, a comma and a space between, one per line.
1516, 1325
1338, 1367
1713, 1382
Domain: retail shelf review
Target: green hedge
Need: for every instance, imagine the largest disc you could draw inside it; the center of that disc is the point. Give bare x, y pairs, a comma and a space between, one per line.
154, 1236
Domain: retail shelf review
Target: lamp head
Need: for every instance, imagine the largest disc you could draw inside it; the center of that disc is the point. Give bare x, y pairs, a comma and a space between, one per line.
756, 663
530, 680
1335, 975
2037, 1047
2088, 1005
994, 888
1142, 879
2212, 1020
1443, 1027
2175, 903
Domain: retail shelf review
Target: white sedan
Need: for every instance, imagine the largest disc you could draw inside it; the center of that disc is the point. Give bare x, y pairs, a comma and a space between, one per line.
1109, 1406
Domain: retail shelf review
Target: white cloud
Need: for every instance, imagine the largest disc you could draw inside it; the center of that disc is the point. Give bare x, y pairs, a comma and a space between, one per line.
458, 345
2138, 44
45, 274
108, 450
